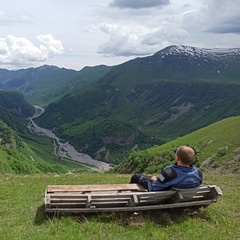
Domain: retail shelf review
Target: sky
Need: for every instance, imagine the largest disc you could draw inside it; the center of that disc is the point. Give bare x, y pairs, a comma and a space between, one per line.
78, 33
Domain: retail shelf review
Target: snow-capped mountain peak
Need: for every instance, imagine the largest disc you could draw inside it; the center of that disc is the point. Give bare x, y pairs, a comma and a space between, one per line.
214, 53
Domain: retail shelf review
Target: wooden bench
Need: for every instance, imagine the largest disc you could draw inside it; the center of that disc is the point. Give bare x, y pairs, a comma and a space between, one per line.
123, 197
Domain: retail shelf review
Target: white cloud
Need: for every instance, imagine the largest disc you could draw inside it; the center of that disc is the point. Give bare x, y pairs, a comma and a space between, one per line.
140, 40
137, 4
20, 51
123, 41
49, 45
164, 36
144, 32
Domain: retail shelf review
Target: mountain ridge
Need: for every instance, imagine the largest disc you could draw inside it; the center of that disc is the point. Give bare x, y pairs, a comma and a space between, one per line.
45, 84
172, 64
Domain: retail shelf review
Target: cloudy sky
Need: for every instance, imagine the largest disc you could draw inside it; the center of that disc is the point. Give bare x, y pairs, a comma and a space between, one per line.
78, 33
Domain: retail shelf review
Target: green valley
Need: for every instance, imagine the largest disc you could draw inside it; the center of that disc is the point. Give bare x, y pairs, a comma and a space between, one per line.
111, 112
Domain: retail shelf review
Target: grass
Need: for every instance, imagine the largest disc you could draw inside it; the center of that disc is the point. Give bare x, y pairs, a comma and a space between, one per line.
22, 213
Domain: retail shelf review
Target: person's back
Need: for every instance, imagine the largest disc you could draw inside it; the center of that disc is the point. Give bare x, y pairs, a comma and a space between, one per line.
179, 175
175, 176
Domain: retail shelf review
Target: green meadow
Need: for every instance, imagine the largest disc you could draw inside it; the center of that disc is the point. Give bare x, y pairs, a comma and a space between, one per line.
22, 213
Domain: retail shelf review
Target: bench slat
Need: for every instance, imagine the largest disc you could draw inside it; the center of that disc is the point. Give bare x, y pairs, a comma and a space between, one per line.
92, 188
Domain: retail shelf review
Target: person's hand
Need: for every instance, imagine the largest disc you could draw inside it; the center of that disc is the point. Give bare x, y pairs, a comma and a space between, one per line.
154, 178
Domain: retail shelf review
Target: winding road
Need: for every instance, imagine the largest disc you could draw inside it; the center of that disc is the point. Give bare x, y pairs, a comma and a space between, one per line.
64, 149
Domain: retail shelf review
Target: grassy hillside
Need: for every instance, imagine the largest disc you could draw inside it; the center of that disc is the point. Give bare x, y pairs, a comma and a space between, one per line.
22, 214
217, 147
14, 110
16, 104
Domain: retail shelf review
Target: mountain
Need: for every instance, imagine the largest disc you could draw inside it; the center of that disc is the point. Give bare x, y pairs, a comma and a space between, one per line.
14, 110
157, 98
45, 84
217, 148
15, 103
178, 63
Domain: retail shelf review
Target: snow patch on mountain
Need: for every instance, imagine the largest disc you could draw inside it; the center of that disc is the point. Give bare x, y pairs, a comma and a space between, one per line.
212, 53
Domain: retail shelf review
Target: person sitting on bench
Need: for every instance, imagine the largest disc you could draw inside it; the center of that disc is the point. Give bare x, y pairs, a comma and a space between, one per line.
182, 174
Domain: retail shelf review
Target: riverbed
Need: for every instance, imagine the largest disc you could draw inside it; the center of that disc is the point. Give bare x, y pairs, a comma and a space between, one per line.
62, 148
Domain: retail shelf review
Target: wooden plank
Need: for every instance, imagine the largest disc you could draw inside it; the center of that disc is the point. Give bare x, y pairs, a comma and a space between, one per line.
188, 195
203, 192
91, 188
177, 197
63, 204
156, 197
110, 204
218, 190
135, 208
47, 199
88, 202
102, 195
135, 200
215, 192
111, 201
67, 195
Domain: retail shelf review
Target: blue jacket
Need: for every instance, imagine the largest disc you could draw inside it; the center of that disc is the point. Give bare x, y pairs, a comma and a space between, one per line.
177, 177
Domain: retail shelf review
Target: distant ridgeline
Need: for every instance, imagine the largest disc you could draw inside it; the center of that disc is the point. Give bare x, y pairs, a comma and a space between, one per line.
108, 112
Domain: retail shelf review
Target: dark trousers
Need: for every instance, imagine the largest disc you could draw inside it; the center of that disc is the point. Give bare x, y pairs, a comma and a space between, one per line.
141, 180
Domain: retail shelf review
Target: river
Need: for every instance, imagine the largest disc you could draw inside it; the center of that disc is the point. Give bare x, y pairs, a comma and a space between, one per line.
62, 148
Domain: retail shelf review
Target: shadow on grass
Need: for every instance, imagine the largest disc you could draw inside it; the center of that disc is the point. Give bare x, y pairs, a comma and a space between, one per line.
161, 217
41, 216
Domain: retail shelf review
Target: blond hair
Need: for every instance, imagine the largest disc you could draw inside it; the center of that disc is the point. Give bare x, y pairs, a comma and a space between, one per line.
186, 154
